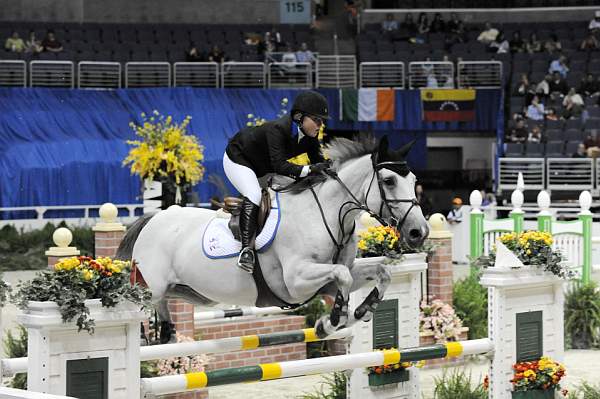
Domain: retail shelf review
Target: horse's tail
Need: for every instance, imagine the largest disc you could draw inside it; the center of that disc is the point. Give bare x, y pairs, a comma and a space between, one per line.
126, 247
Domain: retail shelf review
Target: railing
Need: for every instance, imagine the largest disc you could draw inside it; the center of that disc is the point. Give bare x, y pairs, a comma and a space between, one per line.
290, 74
243, 74
196, 74
13, 73
482, 74
336, 71
570, 174
533, 170
93, 74
147, 74
51, 74
433, 74
381, 74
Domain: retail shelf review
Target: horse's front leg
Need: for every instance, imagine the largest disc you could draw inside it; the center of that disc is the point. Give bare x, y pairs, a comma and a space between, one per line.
306, 278
379, 273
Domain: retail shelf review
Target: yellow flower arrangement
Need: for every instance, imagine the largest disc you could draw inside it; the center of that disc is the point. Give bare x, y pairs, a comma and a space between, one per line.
379, 241
543, 374
165, 150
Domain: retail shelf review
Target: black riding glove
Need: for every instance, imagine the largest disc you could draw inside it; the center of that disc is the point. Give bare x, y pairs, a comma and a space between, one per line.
317, 168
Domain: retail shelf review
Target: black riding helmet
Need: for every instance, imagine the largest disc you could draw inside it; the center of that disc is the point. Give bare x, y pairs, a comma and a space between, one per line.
310, 103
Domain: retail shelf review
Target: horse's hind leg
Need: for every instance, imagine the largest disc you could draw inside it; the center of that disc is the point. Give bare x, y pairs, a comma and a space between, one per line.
167, 328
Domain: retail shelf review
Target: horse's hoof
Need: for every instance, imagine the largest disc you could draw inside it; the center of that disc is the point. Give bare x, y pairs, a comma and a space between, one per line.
320, 330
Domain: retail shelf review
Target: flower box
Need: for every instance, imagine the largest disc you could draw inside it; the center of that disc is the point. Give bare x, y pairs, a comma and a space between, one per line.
534, 394
396, 376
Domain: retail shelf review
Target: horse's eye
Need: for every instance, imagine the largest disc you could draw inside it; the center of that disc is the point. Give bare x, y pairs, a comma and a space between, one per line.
389, 181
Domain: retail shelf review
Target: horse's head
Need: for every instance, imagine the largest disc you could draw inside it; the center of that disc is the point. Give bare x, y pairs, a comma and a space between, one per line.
392, 194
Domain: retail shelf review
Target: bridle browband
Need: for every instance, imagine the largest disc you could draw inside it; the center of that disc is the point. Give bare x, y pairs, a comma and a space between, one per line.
399, 167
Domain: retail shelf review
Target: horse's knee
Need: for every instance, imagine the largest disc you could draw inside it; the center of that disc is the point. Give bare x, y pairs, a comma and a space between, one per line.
343, 278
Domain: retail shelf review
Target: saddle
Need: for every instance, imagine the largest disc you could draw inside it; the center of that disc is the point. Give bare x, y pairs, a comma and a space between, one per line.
233, 205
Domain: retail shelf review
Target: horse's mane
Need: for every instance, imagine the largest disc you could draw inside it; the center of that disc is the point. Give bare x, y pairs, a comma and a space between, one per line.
340, 149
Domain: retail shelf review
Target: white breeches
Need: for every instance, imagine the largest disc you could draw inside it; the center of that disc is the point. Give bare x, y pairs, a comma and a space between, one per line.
243, 179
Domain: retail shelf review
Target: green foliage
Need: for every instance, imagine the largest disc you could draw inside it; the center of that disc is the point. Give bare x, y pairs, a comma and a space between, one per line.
333, 387
21, 250
457, 384
73, 280
582, 316
312, 311
148, 369
470, 304
585, 391
16, 346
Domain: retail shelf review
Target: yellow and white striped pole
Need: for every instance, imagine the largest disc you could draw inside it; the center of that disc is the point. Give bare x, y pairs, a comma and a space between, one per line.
271, 371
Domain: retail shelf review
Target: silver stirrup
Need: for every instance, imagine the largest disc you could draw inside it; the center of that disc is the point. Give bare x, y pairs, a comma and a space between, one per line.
247, 267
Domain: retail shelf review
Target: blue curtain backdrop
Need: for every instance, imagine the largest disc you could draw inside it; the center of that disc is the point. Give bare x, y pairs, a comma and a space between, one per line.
65, 147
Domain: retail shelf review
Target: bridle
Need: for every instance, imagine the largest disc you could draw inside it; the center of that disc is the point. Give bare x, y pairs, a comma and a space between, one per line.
354, 204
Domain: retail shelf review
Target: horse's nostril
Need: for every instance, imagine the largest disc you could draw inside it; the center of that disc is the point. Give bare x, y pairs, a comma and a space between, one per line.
415, 233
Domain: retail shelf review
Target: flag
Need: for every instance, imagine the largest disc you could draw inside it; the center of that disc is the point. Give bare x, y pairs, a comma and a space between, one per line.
448, 105
368, 105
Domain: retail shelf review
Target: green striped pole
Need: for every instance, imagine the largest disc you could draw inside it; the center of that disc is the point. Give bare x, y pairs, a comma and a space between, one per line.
264, 372
544, 217
517, 214
476, 224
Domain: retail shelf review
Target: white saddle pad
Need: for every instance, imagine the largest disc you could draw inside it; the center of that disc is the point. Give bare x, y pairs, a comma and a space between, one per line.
218, 241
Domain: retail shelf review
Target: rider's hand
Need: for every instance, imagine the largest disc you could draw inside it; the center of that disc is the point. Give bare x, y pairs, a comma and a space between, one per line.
317, 168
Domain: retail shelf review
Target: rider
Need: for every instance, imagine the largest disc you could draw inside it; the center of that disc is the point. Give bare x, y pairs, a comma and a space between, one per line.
257, 150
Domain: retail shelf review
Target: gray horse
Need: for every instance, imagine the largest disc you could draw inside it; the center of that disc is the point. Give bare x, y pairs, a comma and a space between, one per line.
313, 251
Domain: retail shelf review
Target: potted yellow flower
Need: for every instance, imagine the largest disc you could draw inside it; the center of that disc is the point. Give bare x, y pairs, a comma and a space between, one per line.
537, 379
166, 153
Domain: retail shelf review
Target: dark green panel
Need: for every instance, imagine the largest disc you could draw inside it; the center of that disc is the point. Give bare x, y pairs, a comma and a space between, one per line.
530, 336
88, 378
280, 338
423, 353
234, 375
385, 325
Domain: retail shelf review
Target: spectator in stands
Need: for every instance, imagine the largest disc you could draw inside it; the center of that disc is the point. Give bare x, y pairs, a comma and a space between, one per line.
437, 25
592, 140
558, 86
523, 87
289, 55
533, 44
553, 44
488, 35
517, 45
543, 88
304, 54
535, 111
424, 201
408, 27
455, 215
588, 86
273, 40
573, 105
518, 134
535, 136
559, 65
581, 152
194, 55
500, 45
551, 114
32, 45
14, 43
432, 80
589, 43
50, 43
594, 25
423, 24
216, 55
453, 24
458, 35
389, 24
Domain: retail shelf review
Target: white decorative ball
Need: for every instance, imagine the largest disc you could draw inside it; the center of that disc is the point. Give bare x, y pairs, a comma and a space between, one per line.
585, 200
108, 212
543, 199
62, 237
517, 199
437, 222
475, 199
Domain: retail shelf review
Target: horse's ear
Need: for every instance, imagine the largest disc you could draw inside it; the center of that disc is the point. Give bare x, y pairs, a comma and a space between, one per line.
405, 149
383, 146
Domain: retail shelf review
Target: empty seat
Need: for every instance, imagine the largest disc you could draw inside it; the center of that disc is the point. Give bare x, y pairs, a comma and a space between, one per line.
555, 149
550, 124
574, 135
571, 148
592, 123
554, 135
573, 124
534, 150
513, 150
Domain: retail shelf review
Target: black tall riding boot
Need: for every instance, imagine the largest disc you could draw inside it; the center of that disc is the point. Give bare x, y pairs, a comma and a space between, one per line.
248, 221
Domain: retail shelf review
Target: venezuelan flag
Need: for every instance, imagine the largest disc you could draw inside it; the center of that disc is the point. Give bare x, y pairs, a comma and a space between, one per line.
448, 105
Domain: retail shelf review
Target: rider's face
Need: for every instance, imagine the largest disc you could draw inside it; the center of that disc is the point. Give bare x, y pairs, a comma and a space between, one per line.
311, 125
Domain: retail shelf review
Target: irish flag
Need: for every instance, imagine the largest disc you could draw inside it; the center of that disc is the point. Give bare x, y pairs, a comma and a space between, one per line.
368, 105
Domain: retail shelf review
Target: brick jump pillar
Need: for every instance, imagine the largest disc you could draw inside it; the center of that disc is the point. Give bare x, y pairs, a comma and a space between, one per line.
439, 281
